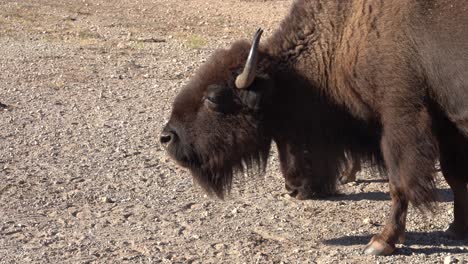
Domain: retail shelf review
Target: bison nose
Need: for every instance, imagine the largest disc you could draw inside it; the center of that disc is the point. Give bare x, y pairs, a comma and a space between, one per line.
166, 138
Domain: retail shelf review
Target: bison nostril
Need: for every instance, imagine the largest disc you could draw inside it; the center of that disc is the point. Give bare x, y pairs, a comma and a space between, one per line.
166, 138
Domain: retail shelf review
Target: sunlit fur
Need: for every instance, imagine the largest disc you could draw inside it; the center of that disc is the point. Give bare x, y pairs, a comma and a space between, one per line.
383, 81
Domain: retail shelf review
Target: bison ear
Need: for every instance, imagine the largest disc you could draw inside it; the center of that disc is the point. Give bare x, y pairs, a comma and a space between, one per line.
246, 78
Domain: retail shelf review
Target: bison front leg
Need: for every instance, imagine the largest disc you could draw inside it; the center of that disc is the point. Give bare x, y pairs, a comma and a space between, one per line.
409, 151
394, 230
352, 167
453, 147
458, 229
305, 179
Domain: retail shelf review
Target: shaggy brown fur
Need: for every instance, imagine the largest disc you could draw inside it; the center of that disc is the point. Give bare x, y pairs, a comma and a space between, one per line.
385, 81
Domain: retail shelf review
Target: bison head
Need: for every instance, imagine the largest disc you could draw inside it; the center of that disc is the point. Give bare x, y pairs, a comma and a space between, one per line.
217, 125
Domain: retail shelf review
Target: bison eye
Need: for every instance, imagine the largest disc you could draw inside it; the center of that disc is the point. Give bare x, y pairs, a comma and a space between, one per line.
218, 98
211, 103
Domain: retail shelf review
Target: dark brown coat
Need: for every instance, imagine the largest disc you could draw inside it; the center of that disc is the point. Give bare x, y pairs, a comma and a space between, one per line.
385, 81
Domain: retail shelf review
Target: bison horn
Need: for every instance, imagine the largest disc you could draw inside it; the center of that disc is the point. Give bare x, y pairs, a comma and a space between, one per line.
247, 76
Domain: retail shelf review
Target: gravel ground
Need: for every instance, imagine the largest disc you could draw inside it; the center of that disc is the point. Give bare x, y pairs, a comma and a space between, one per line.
85, 88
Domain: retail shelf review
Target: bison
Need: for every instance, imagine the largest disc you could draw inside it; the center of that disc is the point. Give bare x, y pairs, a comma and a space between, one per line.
385, 81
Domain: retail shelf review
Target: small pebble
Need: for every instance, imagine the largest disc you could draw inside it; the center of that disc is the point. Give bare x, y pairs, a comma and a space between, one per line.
219, 246
368, 221
106, 199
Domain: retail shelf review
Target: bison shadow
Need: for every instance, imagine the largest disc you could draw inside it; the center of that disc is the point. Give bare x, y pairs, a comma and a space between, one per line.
433, 243
372, 181
444, 195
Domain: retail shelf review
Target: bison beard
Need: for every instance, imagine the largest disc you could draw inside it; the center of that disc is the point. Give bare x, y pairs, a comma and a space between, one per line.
383, 81
215, 166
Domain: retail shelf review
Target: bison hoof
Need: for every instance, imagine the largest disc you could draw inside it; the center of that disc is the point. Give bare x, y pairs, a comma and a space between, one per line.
456, 232
378, 247
300, 194
305, 193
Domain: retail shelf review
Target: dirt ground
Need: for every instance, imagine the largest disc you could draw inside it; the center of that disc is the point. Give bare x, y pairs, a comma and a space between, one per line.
86, 87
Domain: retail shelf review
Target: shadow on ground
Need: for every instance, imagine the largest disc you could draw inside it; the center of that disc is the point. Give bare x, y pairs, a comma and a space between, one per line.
428, 243
444, 195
